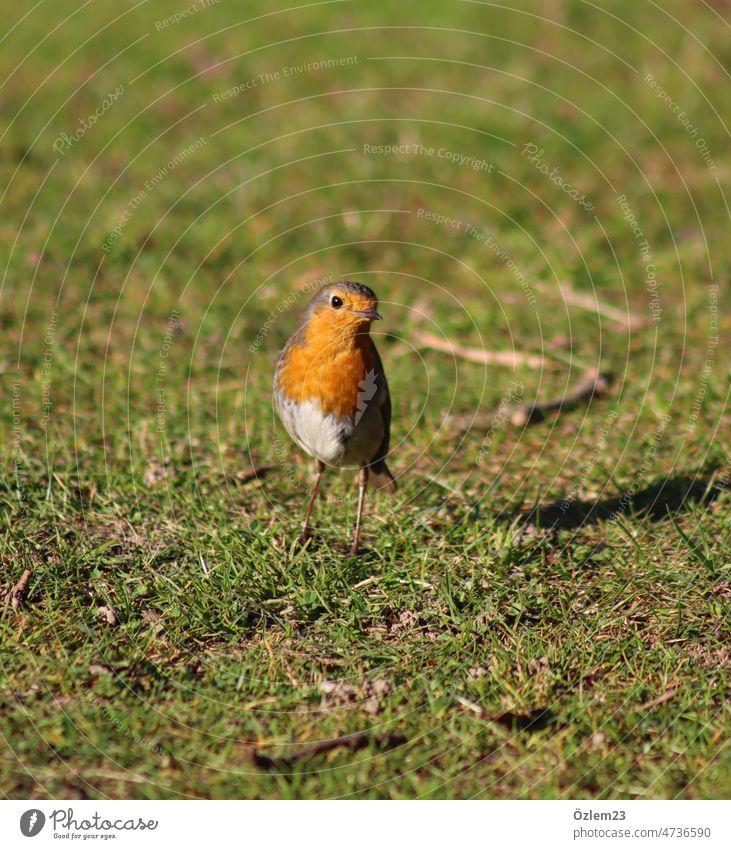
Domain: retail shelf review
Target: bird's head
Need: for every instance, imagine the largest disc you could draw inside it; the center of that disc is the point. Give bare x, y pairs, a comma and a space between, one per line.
341, 310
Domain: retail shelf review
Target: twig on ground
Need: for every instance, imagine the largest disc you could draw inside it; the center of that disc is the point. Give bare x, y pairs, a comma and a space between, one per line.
479, 355
592, 383
591, 302
251, 474
665, 697
20, 590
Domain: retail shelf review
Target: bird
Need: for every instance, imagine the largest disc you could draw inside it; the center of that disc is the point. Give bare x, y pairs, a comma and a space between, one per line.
331, 392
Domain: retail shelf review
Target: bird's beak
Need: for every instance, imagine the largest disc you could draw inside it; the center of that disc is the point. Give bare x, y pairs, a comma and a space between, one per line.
371, 314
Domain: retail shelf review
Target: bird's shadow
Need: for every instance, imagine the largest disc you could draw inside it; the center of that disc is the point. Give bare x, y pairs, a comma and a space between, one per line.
655, 502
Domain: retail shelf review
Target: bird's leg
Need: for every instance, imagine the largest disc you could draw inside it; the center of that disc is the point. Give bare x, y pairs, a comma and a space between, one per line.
306, 529
362, 483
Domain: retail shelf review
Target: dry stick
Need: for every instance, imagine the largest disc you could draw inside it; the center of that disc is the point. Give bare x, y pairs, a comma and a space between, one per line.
591, 302
592, 383
20, 590
670, 694
478, 355
252, 474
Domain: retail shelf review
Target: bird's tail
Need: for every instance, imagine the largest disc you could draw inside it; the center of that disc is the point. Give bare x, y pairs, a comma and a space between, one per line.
381, 479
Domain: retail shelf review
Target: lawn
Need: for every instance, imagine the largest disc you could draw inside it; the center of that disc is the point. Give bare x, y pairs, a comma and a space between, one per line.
542, 610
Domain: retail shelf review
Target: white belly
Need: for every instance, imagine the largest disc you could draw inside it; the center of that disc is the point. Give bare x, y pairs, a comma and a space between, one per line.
336, 441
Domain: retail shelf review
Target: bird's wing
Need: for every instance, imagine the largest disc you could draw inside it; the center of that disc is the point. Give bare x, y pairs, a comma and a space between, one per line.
383, 477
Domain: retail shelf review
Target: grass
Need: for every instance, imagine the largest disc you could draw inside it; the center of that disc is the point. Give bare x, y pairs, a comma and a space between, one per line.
542, 611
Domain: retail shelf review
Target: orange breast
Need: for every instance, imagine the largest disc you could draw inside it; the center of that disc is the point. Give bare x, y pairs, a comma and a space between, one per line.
327, 368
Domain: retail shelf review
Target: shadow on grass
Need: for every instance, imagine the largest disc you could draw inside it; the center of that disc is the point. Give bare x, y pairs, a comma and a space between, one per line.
536, 720
655, 502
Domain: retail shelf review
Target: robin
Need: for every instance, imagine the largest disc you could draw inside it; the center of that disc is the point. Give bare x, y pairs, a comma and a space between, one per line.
331, 394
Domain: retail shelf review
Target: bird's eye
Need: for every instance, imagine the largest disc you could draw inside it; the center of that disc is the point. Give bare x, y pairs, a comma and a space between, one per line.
336, 302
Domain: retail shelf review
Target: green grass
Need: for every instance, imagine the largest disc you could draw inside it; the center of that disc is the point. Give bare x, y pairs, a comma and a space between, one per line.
490, 643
